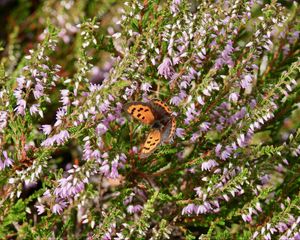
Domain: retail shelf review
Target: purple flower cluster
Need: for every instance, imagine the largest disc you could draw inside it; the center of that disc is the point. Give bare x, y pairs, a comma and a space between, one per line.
58, 139
133, 201
35, 80
225, 57
6, 162
286, 230
206, 207
165, 68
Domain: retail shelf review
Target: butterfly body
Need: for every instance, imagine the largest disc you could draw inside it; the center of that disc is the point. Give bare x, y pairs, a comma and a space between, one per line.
158, 116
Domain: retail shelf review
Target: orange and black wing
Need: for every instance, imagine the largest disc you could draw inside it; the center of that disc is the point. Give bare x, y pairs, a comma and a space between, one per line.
140, 111
152, 142
163, 106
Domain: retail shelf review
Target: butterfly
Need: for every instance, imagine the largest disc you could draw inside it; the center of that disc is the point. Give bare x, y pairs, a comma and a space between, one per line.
159, 116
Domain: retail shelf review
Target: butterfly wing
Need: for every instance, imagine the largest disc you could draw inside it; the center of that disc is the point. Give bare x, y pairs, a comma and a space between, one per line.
169, 130
140, 111
157, 114
163, 106
152, 142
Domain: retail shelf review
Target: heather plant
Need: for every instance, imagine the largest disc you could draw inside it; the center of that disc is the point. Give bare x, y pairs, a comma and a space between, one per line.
69, 154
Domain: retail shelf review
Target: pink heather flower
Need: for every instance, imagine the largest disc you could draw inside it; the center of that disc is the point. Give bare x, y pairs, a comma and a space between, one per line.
134, 208
104, 107
123, 158
201, 209
105, 168
114, 170
165, 68
175, 100
233, 97
34, 109
194, 137
135, 149
204, 127
68, 188
218, 149
246, 81
96, 154
59, 116
146, 87
241, 141
184, 85
224, 58
47, 193
21, 81
282, 227
18, 94
219, 127
62, 137
297, 236
101, 129
7, 161
46, 129
191, 113
111, 117
65, 97
87, 151
174, 6
107, 236
208, 165
21, 106
38, 90
58, 207
246, 218
189, 209
128, 199
252, 103
40, 208
285, 161
59, 138
200, 100
3, 119
175, 61
180, 132
258, 207
94, 87
48, 142
29, 185
207, 205
279, 168
111, 98
265, 179
255, 235
198, 191
226, 153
